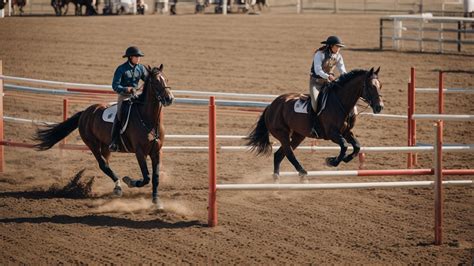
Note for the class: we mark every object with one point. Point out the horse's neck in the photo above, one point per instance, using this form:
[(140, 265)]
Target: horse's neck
[(151, 108), (349, 94)]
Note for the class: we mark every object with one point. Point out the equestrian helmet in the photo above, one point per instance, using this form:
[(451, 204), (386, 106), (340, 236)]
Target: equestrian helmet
[(333, 40), (133, 51)]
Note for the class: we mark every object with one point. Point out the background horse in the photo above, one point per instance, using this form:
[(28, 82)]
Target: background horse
[(291, 128), (58, 6), (20, 4), (143, 136)]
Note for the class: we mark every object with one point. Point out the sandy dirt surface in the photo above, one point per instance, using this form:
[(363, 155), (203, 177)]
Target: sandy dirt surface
[(268, 54)]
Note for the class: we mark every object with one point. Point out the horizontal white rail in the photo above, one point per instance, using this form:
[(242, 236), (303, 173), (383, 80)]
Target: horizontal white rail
[(402, 149), (362, 185), (448, 90), (443, 117)]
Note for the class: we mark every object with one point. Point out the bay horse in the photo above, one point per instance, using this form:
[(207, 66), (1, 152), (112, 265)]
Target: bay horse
[(335, 122), (143, 136), (21, 4)]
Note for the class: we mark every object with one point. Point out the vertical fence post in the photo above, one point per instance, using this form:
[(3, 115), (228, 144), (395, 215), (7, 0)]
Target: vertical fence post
[(438, 169), (459, 36), (409, 129), (439, 166), (298, 6), (65, 112), (212, 208), (2, 149)]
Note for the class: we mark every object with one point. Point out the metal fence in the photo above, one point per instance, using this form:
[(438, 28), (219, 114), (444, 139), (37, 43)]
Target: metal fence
[(425, 32)]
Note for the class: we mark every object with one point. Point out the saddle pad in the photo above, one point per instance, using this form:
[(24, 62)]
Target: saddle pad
[(301, 106), (109, 114)]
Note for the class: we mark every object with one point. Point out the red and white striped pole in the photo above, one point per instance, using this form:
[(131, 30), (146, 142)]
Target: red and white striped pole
[(212, 208)]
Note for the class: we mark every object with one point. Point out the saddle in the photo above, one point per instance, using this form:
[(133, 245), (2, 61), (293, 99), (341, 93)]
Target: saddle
[(109, 114), (303, 104)]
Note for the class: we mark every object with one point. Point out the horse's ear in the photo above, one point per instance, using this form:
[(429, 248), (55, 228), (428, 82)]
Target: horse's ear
[(371, 71), (161, 67), (148, 67), (377, 71)]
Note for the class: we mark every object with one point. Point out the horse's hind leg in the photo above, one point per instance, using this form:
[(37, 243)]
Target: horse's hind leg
[(102, 158), (286, 146), (279, 155)]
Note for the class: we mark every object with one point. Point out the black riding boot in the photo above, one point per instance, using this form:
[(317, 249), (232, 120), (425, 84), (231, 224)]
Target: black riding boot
[(115, 135)]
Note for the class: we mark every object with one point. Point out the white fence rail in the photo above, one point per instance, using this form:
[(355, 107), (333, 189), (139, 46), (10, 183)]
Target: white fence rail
[(425, 29)]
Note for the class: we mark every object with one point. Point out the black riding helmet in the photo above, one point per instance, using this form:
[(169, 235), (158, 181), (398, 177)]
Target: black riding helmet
[(133, 51), (333, 40)]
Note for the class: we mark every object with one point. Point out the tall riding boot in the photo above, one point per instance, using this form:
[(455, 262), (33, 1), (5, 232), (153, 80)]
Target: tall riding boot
[(115, 135)]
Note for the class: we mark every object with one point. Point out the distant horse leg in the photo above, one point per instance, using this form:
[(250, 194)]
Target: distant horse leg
[(141, 158), (349, 136), (103, 160), (339, 139), (155, 178)]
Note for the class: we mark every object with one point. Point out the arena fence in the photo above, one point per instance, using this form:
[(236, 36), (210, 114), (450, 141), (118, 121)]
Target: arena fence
[(437, 170), (438, 148), (430, 33)]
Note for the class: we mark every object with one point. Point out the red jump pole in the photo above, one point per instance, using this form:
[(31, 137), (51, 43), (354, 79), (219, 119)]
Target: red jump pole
[(212, 208), (2, 150), (438, 184), (414, 158), (409, 117), (65, 112), (439, 193)]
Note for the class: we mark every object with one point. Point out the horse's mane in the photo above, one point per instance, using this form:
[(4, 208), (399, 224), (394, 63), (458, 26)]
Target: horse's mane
[(153, 72), (345, 78)]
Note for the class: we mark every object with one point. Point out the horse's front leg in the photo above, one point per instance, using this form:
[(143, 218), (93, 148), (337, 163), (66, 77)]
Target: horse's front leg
[(155, 178), (338, 139), (141, 158), (349, 136)]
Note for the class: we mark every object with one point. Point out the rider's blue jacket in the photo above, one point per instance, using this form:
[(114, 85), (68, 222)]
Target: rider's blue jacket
[(127, 75)]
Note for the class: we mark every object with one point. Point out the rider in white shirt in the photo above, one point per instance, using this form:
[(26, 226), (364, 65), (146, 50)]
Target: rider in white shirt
[(325, 60)]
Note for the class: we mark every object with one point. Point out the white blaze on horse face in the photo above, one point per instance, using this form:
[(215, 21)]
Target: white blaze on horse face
[(376, 84)]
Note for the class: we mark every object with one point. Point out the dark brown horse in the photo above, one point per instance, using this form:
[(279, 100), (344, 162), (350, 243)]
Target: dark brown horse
[(335, 122), (144, 134), (20, 4)]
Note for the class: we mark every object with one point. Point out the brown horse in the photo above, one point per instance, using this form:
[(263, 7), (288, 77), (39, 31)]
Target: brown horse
[(20, 4), (335, 122), (143, 136)]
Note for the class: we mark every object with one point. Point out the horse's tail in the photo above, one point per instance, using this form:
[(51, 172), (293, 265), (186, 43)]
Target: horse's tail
[(52, 134), (259, 138)]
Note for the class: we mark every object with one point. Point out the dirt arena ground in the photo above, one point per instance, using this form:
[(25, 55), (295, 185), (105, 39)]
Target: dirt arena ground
[(269, 54)]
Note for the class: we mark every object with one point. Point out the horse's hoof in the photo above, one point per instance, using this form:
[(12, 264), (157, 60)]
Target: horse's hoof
[(304, 180), (157, 204), (331, 161), (302, 173), (118, 191), (127, 180), (276, 178), (347, 159)]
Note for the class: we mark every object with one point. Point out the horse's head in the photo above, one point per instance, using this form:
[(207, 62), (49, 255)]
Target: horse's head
[(371, 91), (159, 85)]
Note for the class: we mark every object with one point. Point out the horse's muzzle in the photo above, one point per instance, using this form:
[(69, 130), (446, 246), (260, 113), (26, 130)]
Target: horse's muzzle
[(167, 101), (377, 108)]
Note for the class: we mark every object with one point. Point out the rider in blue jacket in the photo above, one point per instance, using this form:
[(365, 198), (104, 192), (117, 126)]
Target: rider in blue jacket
[(125, 83)]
